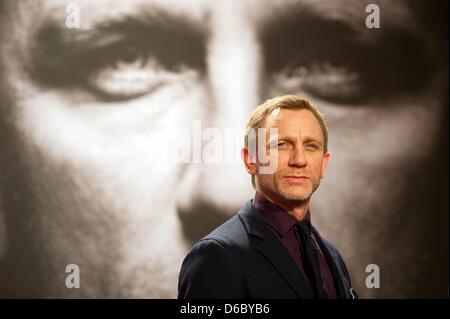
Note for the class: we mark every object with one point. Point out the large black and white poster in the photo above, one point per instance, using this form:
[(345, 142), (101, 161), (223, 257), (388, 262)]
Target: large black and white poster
[(121, 124)]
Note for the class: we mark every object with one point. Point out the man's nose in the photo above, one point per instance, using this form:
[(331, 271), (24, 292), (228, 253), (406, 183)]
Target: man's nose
[(233, 76), (298, 157)]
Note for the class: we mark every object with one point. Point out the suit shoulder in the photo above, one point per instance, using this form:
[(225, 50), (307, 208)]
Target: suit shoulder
[(211, 269), (231, 232), (331, 247)]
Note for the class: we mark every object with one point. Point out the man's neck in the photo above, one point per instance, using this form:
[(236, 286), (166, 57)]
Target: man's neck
[(296, 208), (299, 211)]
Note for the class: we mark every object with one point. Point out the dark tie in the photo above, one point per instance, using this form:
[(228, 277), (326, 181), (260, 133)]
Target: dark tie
[(311, 259)]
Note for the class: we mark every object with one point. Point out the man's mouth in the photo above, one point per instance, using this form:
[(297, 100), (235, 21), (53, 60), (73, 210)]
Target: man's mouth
[(296, 177)]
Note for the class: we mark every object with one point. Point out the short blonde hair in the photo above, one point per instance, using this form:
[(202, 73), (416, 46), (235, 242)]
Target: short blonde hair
[(290, 102)]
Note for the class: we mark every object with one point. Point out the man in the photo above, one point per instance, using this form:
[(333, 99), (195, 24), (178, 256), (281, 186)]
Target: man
[(84, 114), (263, 252)]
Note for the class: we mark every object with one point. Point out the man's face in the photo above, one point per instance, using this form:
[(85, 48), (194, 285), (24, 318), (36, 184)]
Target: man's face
[(85, 114), (301, 160)]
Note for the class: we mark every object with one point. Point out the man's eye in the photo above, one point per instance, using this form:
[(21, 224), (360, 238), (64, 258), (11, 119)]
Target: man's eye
[(312, 147), (282, 145), (130, 60), (132, 73), (322, 79), (332, 62)]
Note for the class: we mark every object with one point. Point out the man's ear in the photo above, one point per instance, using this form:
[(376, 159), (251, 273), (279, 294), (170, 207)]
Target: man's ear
[(325, 160), (249, 161)]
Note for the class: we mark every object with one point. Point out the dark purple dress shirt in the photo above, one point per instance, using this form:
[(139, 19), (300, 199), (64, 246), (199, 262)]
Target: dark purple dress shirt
[(283, 226)]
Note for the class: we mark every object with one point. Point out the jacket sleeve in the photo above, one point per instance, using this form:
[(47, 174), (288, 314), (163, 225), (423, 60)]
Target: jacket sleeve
[(209, 271)]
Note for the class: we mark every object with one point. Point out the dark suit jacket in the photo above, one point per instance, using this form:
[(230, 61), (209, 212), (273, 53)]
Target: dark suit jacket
[(243, 258)]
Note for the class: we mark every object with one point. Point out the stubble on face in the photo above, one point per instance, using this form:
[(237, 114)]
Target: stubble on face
[(295, 179)]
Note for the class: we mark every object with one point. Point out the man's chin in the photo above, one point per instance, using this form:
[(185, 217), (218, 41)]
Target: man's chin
[(299, 196)]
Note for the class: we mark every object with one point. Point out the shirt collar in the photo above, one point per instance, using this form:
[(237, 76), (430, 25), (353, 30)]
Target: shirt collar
[(279, 219)]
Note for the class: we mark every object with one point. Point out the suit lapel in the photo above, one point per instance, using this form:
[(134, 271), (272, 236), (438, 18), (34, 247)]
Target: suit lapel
[(333, 263), (273, 250), (277, 255)]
